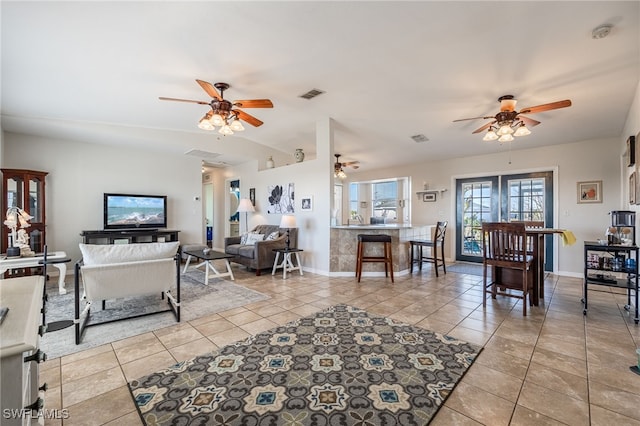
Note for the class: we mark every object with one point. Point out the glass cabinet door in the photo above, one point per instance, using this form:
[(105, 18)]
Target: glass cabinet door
[(36, 195), (25, 189)]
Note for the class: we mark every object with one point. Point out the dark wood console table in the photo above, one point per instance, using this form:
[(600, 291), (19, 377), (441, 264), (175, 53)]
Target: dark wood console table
[(128, 236)]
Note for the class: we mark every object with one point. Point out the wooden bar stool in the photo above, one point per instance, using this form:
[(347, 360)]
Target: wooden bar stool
[(387, 258)]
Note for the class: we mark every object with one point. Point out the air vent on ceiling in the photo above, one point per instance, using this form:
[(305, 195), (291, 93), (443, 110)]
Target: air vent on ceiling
[(312, 94), (202, 154), (419, 138)]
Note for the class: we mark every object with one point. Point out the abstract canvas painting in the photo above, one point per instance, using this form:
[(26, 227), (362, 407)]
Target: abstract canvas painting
[(281, 199)]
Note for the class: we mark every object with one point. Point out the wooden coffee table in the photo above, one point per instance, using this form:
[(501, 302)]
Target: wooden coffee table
[(207, 259)]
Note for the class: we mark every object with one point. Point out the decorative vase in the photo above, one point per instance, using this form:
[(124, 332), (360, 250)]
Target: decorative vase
[(270, 163), (299, 155)]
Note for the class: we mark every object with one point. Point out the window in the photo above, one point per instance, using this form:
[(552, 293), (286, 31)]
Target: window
[(526, 199), (384, 198), (353, 199)]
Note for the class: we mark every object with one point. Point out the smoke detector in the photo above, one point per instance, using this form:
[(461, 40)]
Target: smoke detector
[(601, 31)]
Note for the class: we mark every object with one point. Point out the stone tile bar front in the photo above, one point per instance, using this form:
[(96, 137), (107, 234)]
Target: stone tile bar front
[(344, 243)]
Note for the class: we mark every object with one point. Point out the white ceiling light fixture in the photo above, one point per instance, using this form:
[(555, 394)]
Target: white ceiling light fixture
[(221, 116), (508, 124), (338, 172)]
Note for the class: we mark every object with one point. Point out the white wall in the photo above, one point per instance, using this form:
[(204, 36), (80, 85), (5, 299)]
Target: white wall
[(588, 160), (79, 173), (632, 127), (311, 177)]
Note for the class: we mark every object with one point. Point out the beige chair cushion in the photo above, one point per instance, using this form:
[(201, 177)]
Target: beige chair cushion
[(102, 254)]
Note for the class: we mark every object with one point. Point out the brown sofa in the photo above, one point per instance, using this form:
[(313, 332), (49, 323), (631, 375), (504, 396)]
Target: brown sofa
[(260, 255)]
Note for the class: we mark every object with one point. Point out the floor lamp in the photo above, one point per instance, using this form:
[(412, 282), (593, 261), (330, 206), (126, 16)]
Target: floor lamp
[(245, 206)]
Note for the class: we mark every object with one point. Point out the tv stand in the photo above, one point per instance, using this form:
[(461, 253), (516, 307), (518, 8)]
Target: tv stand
[(126, 236)]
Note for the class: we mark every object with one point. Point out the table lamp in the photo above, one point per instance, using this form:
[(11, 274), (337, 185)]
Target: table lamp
[(15, 216), (288, 221), (245, 206)]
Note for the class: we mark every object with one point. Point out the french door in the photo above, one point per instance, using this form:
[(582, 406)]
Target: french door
[(476, 202), (526, 196)]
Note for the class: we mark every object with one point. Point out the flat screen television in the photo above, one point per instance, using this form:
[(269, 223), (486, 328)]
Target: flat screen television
[(129, 211)]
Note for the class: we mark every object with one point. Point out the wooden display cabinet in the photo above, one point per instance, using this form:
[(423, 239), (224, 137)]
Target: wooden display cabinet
[(25, 189)]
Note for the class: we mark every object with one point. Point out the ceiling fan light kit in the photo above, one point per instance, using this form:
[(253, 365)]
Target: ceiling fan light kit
[(338, 172), (509, 123), (223, 113)]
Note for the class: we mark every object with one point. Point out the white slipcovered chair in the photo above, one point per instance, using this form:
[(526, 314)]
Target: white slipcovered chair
[(125, 270)]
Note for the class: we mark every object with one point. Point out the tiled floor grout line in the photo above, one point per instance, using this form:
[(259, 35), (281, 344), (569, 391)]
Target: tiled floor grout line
[(453, 293)]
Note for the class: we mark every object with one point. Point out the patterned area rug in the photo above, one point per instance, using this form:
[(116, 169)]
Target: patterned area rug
[(196, 300), (341, 366)]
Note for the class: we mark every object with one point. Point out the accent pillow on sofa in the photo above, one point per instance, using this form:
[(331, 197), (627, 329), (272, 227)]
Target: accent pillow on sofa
[(243, 238), (272, 236), (253, 238)]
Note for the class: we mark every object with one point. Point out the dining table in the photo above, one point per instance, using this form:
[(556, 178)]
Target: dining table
[(536, 242), (538, 237)]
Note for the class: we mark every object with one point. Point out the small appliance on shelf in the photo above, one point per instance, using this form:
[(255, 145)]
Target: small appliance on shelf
[(623, 228)]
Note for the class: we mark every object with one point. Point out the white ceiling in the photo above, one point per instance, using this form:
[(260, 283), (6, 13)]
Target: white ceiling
[(93, 71)]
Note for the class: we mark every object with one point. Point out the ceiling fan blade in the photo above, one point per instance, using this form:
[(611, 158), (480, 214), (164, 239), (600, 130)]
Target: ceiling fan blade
[(248, 118), (351, 163), (528, 121), (162, 98), (211, 91), (546, 107), (254, 103), (486, 126), (474, 118)]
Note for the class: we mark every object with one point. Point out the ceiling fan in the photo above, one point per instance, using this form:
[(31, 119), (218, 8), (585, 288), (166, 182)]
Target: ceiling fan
[(224, 113), (337, 167), (509, 122)]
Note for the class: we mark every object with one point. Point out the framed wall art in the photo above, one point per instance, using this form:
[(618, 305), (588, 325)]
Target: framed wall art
[(631, 151), (632, 188), (252, 196), (590, 192), (429, 196), (281, 199), (306, 203)]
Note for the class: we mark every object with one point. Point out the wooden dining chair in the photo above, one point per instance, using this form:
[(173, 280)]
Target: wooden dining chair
[(435, 245), (530, 224), (505, 250)]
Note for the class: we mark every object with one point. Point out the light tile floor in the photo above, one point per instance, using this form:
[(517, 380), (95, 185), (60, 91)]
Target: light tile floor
[(554, 366)]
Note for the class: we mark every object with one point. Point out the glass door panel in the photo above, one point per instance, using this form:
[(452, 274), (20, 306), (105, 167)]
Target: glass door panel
[(529, 197), (35, 193), (14, 192), (477, 202)]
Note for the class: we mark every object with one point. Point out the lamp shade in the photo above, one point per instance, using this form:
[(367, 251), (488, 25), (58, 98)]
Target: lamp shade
[(245, 206), (288, 221)]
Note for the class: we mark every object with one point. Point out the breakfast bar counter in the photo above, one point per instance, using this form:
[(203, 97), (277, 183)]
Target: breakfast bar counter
[(344, 242)]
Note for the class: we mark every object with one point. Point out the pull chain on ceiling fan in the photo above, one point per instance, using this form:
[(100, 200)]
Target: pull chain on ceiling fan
[(509, 123), (223, 113)]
